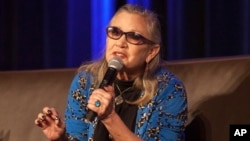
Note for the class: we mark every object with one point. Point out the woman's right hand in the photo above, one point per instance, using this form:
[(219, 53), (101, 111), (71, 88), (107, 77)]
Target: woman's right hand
[(51, 124)]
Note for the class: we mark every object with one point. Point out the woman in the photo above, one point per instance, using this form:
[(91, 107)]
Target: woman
[(145, 102)]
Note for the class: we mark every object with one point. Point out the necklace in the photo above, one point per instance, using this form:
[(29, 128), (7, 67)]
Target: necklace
[(119, 99)]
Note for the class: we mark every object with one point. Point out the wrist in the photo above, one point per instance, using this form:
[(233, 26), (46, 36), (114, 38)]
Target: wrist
[(109, 117), (63, 137)]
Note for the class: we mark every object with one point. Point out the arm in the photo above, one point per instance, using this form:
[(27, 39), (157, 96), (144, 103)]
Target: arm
[(107, 115), (76, 127), (175, 114)]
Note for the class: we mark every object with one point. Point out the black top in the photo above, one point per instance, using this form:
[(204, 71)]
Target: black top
[(127, 112)]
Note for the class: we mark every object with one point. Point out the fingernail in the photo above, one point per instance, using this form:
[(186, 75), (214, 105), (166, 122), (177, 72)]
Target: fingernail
[(43, 117), (49, 112), (38, 122)]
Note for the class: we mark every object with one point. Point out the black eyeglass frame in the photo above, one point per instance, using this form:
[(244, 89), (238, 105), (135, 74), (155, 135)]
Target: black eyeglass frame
[(142, 39)]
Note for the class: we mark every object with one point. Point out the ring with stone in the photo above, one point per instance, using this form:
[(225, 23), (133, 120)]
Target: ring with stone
[(97, 103)]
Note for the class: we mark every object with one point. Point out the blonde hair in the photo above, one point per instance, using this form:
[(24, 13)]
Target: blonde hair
[(146, 82)]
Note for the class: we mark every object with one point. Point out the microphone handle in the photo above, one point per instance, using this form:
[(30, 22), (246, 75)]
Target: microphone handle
[(108, 79)]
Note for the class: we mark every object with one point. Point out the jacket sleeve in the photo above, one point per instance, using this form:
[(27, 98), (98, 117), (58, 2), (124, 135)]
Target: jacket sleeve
[(76, 127), (167, 112)]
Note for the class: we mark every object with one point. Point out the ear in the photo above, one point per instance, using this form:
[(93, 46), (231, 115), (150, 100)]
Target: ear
[(152, 52)]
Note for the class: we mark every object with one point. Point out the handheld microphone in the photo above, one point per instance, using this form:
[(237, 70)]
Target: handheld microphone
[(114, 65)]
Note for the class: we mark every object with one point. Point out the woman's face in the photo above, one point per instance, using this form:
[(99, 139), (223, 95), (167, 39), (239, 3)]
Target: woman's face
[(133, 56)]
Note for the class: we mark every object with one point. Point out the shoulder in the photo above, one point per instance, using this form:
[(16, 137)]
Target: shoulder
[(164, 75), (83, 79), (168, 82)]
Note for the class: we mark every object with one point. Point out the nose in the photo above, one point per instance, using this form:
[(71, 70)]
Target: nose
[(122, 42)]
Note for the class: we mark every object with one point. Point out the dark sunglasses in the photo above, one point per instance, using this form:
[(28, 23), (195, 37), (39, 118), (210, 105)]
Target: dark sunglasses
[(131, 37)]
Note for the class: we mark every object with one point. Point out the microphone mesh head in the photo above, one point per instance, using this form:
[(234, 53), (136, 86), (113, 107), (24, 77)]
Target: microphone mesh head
[(115, 63)]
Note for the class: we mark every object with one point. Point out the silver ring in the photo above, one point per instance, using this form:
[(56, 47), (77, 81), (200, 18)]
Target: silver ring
[(97, 103), (56, 118)]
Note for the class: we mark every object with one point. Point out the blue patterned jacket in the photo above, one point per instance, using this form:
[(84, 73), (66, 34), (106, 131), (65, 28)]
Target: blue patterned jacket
[(162, 119)]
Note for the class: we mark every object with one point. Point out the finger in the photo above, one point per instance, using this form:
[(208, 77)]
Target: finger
[(103, 96), (41, 120), (37, 122), (45, 116), (95, 96), (103, 107), (109, 89), (47, 111), (57, 120), (50, 112), (55, 117), (101, 93), (54, 111), (91, 104), (97, 104), (41, 117)]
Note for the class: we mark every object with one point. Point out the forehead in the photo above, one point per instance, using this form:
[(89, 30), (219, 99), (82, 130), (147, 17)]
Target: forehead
[(130, 22)]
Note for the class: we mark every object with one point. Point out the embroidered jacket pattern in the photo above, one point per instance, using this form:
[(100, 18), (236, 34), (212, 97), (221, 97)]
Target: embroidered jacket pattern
[(162, 119)]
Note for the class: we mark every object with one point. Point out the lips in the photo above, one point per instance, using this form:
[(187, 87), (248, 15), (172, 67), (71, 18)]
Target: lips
[(119, 54)]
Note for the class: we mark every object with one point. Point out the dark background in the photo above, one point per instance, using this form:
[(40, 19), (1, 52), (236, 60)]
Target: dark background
[(45, 34)]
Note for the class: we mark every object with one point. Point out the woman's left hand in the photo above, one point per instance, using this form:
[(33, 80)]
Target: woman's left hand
[(101, 101)]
